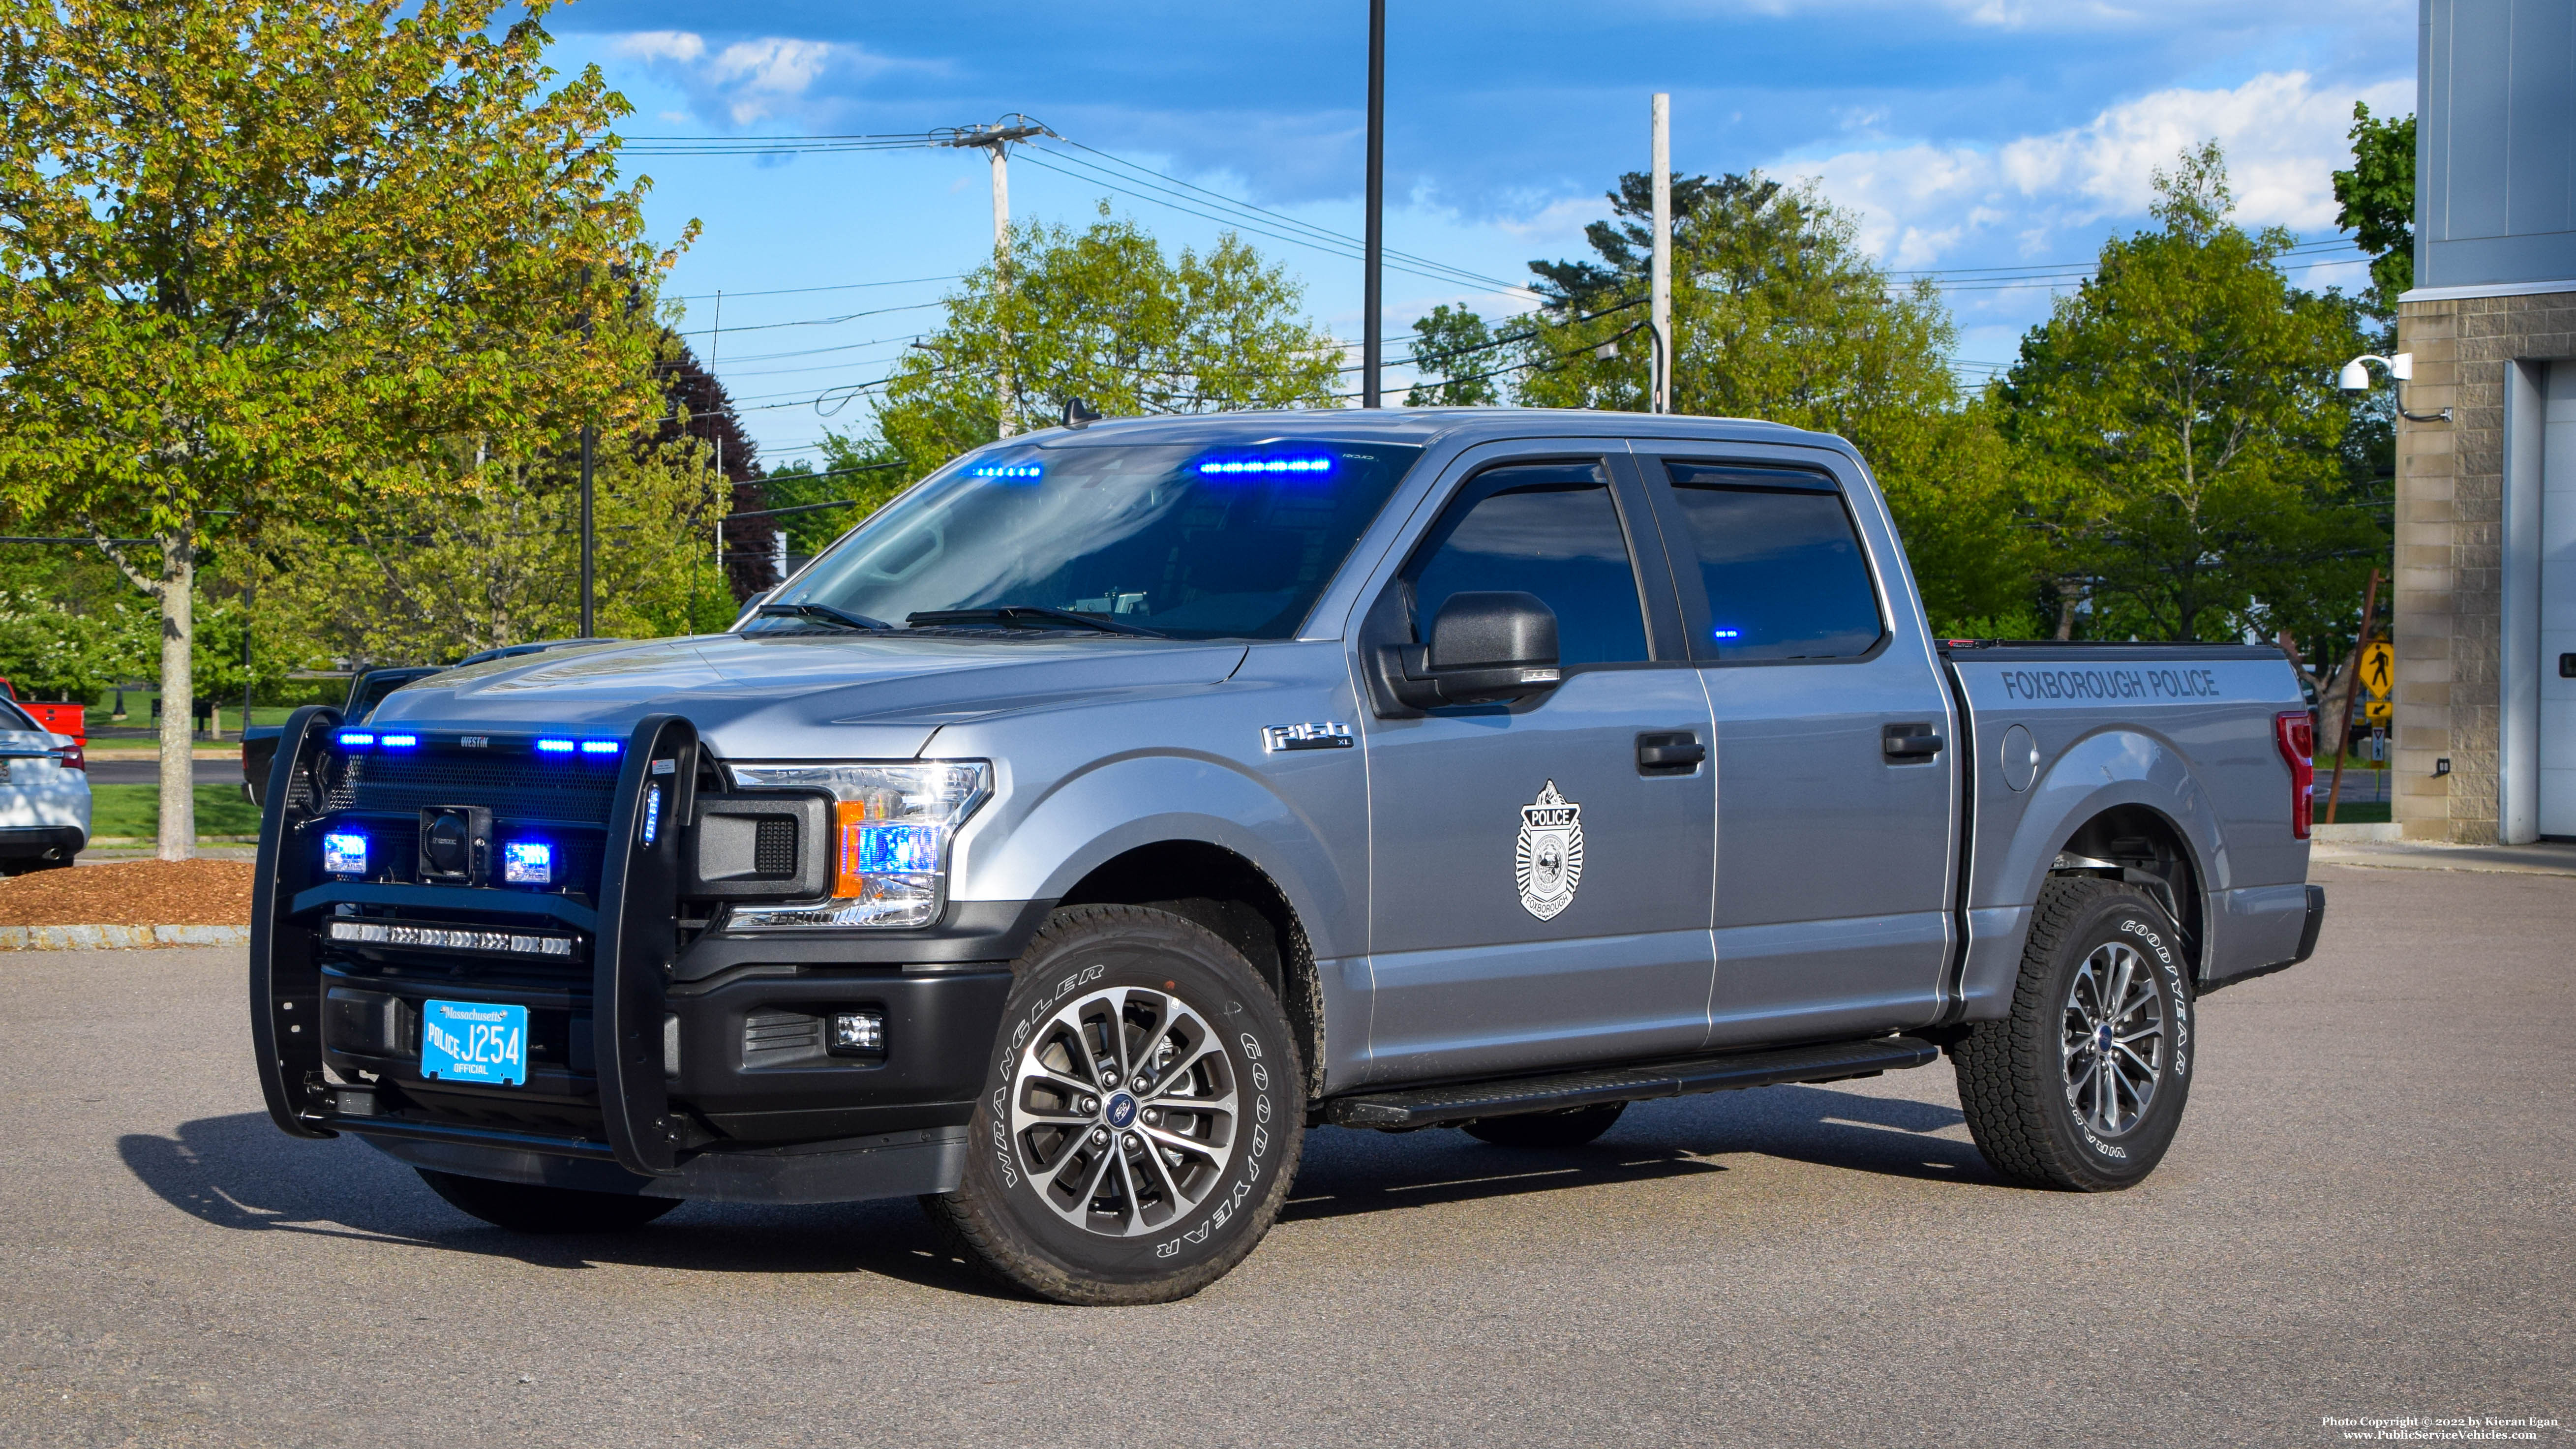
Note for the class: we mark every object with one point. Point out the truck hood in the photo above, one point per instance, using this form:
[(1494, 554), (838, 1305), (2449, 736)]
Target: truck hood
[(800, 696)]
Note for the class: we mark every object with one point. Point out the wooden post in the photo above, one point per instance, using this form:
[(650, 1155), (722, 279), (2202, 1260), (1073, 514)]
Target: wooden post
[(2351, 688)]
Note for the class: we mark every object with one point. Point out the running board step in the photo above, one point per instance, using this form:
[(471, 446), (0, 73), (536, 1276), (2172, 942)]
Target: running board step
[(1598, 1086)]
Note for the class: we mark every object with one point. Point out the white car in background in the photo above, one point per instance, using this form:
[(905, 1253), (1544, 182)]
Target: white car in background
[(44, 795)]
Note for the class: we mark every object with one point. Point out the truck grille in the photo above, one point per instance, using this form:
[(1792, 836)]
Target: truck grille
[(515, 785)]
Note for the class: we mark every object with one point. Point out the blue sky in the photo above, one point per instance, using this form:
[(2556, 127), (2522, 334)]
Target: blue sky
[(1963, 134)]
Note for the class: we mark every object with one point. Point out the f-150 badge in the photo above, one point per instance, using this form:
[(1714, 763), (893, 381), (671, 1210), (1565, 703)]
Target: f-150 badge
[(1548, 863)]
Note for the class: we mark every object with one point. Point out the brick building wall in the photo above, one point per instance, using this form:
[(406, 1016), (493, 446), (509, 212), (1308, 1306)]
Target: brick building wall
[(2450, 551)]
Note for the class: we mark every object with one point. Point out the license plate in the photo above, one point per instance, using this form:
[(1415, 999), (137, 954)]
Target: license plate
[(4, 772), (474, 1041)]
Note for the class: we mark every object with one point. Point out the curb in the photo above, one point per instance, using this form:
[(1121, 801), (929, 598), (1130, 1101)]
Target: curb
[(115, 938), (2385, 832)]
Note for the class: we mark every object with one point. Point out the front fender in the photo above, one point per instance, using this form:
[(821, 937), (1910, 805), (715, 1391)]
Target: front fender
[(1044, 847)]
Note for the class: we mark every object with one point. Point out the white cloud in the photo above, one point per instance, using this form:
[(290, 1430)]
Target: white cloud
[(1919, 202), (771, 77), (678, 45)]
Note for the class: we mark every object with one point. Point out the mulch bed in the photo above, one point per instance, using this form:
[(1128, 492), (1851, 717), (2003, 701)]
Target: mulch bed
[(131, 893)]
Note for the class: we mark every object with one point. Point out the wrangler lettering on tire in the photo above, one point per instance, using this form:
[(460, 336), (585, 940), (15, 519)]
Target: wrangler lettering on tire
[(1134, 1138)]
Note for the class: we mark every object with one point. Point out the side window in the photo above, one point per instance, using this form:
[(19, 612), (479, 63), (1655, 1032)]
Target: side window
[(1549, 529), (1781, 563)]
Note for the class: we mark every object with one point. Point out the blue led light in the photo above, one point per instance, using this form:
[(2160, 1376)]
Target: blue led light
[(892, 849), (527, 862), (356, 739), (1024, 471), (1726, 633), (399, 742), (344, 854), (599, 747), (1308, 466), (652, 813), (554, 747)]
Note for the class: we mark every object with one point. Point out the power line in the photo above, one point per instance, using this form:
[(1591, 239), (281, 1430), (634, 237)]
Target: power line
[(792, 291)]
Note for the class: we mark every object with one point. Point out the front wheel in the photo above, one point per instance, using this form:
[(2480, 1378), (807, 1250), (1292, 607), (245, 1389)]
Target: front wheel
[(2082, 1086), (1140, 1119)]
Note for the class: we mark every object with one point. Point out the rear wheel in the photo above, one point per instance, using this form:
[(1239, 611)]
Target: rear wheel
[(2082, 1086), (1141, 1117), (527, 1208), (1548, 1131)]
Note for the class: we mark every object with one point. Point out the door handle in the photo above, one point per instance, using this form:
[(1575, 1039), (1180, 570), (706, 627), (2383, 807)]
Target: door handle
[(1669, 752), (1915, 741)]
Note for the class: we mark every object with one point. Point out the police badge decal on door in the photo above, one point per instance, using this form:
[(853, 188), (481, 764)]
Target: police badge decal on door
[(1548, 862)]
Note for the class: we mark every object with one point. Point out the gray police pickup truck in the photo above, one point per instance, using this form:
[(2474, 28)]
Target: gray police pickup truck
[(1123, 802)]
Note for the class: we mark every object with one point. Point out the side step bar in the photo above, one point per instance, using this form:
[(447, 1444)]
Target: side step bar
[(1597, 1086)]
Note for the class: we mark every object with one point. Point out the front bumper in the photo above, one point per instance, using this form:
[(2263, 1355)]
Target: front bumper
[(657, 1062)]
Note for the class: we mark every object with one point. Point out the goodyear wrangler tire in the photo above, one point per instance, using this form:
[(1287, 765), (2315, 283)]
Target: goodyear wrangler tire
[(2082, 1086), (1141, 1114)]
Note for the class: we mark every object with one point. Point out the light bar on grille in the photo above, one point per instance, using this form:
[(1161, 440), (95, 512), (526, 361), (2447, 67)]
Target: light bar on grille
[(449, 938)]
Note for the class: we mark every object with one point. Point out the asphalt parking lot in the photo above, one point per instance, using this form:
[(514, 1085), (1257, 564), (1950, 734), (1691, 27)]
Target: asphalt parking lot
[(2368, 1214)]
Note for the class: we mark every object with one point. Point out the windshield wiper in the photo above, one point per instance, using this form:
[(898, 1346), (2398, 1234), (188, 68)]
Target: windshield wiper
[(842, 617), (1031, 616)]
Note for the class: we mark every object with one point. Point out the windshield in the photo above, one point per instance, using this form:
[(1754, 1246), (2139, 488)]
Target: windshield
[(1189, 542)]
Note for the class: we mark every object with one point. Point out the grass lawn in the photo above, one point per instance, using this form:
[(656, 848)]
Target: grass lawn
[(136, 810)]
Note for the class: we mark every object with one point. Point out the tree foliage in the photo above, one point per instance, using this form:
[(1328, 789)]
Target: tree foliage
[(2177, 436), (1455, 345), (2377, 201), (1107, 316), (274, 258)]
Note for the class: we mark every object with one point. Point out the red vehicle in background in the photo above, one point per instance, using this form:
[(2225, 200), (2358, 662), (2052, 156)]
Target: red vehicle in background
[(62, 719)]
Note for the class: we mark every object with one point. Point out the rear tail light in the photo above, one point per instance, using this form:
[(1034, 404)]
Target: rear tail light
[(2297, 736), (72, 758)]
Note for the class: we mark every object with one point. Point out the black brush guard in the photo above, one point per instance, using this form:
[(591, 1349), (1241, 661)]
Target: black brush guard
[(633, 938)]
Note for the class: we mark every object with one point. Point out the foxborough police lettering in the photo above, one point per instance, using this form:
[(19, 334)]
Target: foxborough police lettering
[(2111, 683)]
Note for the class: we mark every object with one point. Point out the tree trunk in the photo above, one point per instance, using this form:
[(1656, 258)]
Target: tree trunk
[(2066, 602), (178, 697)]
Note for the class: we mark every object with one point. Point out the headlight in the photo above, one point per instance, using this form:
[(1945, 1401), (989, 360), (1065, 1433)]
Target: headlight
[(891, 827)]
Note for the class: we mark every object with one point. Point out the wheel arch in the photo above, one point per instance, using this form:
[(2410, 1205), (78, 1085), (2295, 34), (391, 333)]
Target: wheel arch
[(2124, 804), (1236, 900)]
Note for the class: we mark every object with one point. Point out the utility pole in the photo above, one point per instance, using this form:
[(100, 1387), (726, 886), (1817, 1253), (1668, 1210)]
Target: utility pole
[(1662, 307), (1372, 349), (995, 140)]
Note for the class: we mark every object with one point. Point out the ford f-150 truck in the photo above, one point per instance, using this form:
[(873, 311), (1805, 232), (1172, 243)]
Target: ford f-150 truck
[(1124, 801)]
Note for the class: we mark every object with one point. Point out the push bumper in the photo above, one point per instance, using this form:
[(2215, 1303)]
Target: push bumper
[(655, 1065)]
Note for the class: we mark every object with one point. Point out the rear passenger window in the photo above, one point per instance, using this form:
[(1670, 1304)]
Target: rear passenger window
[(1546, 529), (1782, 566)]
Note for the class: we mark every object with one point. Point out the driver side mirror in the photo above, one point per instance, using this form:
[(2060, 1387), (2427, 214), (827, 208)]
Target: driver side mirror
[(1486, 648)]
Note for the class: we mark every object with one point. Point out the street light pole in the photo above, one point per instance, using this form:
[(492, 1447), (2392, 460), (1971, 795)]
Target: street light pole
[(1372, 349)]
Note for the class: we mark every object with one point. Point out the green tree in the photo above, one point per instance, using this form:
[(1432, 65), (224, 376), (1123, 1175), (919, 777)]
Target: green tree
[(1778, 314), (2377, 198), (2178, 436), (1104, 315), (863, 472), (1453, 344), (266, 258)]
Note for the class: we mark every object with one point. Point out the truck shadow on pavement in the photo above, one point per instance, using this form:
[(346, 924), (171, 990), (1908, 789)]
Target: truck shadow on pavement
[(1359, 1172), (239, 1172)]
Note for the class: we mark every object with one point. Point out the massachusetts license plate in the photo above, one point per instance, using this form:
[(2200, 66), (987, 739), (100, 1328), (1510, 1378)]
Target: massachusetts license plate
[(474, 1041)]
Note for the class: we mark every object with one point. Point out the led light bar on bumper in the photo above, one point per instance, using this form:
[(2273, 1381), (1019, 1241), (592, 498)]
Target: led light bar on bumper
[(892, 825)]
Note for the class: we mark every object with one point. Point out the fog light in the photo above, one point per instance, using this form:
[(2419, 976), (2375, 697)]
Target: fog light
[(858, 1031), (344, 854), (527, 862)]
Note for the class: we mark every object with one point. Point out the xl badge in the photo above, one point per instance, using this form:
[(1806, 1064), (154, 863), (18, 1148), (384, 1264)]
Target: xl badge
[(1549, 860)]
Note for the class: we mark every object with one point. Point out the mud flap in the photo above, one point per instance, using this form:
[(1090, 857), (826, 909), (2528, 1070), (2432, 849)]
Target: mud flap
[(630, 960), (285, 971)]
